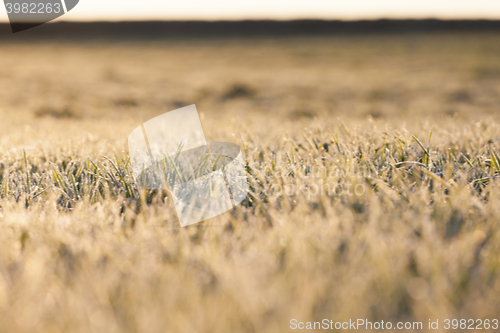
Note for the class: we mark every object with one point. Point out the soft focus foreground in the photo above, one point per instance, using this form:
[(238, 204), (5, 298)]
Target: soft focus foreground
[(372, 162)]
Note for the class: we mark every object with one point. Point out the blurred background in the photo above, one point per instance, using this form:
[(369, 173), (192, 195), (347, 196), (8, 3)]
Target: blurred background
[(92, 10), (120, 63)]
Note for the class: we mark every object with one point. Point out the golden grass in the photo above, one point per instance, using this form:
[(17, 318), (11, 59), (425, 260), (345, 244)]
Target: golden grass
[(412, 120)]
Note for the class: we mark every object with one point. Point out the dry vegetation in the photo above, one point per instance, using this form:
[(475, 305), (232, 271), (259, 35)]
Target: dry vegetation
[(413, 120)]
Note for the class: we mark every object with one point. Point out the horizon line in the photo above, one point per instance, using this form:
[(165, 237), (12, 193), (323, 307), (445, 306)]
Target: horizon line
[(64, 20)]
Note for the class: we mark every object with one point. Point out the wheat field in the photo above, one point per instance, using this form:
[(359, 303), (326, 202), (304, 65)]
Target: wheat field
[(373, 165)]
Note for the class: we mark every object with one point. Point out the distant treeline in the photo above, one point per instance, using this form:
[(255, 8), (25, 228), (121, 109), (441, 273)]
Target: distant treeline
[(206, 29)]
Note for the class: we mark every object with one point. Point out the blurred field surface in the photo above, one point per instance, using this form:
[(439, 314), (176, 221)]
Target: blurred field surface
[(409, 121)]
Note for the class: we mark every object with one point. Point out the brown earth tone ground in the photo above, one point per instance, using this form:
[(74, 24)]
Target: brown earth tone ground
[(411, 120)]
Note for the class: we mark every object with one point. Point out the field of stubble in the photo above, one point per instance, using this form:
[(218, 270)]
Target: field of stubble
[(405, 129)]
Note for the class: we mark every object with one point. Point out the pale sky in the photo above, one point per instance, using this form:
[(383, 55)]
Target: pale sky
[(88, 10)]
